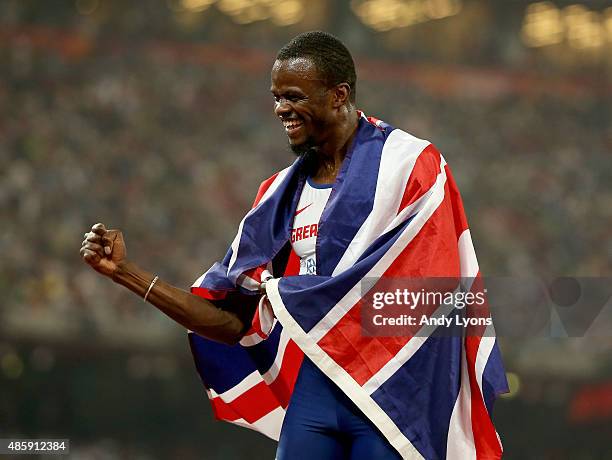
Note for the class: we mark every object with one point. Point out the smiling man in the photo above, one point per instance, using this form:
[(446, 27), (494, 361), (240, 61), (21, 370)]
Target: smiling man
[(275, 327), (314, 87)]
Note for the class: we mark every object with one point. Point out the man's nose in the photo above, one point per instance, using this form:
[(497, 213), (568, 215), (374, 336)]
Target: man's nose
[(281, 108)]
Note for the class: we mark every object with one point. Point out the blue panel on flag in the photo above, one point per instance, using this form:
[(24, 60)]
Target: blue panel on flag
[(216, 278), (264, 353), (421, 395), (347, 209), (222, 365), (493, 378)]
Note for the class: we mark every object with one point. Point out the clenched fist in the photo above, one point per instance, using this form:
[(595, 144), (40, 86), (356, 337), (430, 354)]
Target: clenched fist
[(103, 249)]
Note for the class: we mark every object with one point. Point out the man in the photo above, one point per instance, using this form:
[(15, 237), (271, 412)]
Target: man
[(362, 200)]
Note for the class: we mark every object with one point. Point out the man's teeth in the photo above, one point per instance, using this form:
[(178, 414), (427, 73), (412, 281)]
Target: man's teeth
[(291, 124)]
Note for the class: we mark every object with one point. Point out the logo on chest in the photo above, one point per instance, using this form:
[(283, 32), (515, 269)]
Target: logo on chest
[(306, 231)]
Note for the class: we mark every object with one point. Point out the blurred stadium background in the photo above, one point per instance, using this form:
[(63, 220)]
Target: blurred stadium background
[(155, 117)]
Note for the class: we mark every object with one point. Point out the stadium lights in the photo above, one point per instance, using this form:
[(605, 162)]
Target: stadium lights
[(584, 28), (607, 14), (288, 12), (236, 7), (281, 12), (384, 15), (542, 25), (545, 24)]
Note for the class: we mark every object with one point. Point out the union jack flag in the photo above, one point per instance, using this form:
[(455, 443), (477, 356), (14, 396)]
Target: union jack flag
[(394, 211)]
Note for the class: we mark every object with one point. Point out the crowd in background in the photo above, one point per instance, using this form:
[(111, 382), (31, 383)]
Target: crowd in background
[(171, 151), (170, 154)]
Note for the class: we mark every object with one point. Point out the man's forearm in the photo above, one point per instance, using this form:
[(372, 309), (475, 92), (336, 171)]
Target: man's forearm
[(193, 312)]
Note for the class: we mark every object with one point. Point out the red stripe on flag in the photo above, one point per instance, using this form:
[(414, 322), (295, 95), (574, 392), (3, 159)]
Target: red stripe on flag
[(423, 176), (458, 212), (265, 185), (255, 273), (485, 438), (251, 405), (222, 410), (262, 398), (427, 255), (375, 121), (283, 384), (208, 294), (256, 326), (293, 264)]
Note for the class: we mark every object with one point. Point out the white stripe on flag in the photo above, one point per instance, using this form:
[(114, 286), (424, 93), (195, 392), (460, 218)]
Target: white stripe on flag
[(275, 368), (467, 255), (248, 283), (198, 282), (460, 441), (251, 339), (416, 206), (243, 386), (254, 338), (482, 357), (270, 424)]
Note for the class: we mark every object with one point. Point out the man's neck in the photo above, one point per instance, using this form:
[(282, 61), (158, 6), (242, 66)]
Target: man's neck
[(331, 154)]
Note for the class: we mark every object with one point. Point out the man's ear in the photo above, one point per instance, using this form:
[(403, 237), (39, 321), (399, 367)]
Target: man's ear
[(342, 94)]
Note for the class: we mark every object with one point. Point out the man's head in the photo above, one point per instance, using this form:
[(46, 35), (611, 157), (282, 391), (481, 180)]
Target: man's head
[(313, 83)]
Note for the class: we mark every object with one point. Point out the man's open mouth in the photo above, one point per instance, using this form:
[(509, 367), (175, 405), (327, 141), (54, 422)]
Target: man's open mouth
[(291, 126)]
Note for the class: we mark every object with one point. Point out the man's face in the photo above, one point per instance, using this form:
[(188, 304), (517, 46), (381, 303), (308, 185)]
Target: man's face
[(302, 102)]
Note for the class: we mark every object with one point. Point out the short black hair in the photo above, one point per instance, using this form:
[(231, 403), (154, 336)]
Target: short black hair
[(330, 56)]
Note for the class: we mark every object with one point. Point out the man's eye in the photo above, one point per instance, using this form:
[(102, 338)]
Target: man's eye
[(292, 98)]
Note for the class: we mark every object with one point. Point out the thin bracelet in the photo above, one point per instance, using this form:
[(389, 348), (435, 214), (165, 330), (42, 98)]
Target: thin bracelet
[(150, 287)]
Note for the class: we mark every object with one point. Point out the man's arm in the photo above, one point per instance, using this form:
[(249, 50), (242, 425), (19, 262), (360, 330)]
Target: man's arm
[(104, 250)]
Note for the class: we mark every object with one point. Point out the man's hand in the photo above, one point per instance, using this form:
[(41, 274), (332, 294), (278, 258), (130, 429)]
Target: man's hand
[(103, 249)]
